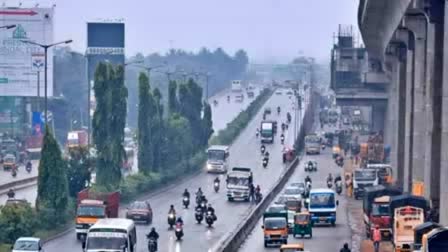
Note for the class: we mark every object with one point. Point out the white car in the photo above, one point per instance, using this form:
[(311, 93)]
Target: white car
[(28, 244), (293, 192)]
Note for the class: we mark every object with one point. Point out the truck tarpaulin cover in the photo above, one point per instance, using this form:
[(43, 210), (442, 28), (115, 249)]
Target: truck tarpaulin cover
[(377, 191), (408, 200)]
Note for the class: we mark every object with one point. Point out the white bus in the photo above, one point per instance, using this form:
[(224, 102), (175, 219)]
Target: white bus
[(111, 235), (218, 158)]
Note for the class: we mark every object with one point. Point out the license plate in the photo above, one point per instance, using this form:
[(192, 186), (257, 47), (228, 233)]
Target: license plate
[(138, 217), (322, 218)]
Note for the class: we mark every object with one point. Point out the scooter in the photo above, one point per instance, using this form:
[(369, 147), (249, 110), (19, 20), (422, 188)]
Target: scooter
[(152, 244), (209, 218), (265, 162), (186, 202), (171, 220), (282, 139), (14, 172), (178, 231), (329, 184), (28, 168), (339, 187), (216, 186), (263, 149)]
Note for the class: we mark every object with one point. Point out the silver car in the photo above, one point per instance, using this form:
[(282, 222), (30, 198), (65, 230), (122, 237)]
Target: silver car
[(28, 244)]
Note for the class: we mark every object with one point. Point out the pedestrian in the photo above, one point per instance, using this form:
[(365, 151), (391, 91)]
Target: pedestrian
[(252, 192), (376, 238), (345, 248)]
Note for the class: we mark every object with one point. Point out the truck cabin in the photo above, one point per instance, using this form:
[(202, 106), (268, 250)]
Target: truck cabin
[(421, 230), (91, 208), (384, 173), (405, 220), (72, 139), (380, 214), (436, 240)]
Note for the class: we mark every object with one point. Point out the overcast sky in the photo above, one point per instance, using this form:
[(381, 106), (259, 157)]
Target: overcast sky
[(274, 30)]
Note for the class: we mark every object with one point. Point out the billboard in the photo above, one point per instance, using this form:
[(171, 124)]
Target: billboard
[(105, 42), (20, 62)]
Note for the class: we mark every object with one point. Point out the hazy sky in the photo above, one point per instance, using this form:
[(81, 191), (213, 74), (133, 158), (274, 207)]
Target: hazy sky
[(268, 29)]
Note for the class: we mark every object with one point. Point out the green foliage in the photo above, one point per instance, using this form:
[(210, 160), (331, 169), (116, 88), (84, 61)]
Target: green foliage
[(108, 124), (145, 155), (52, 186), (207, 123), (234, 128), (80, 165), (16, 220), (173, 106)]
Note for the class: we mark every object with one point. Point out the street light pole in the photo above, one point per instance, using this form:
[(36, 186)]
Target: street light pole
[(46, 47)]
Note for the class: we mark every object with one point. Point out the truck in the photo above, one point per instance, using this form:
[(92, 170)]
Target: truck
[(322, 206), (275, 228), (237, 86), (33, 145), (357, 117), (363, 178), (376, 204), (435, 240), (267, 132), (238, 181), (372, 152), (92, 206), (312, 144), (76, 139), (421, 233), (408, 212), (384, 173)]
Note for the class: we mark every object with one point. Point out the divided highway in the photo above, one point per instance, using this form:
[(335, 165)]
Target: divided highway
[(244, 152), (325, 238), (222, 114)]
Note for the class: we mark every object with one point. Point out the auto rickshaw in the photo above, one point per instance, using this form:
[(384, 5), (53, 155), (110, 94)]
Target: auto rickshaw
[(302, 225), (292, 247), (336, 151), (288, 154), (9, 162)]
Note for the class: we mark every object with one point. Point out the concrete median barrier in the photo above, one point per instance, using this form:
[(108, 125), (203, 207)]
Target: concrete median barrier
[(19, 183)]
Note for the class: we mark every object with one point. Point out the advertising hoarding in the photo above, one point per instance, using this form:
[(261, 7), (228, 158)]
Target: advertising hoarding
[(18, 60)]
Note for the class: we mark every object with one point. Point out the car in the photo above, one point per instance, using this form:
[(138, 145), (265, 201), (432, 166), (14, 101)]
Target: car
[(267, 110), (281, 200), (140, 211), (299, 185), (278, 92), (276, 208), (293, 192), (289, 92), (28, 244)]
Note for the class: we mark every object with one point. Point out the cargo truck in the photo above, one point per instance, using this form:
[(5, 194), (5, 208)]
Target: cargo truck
[(267, 132), (92, 206), (237, 86), (275, 228), (362, 179), (238, 181), (76, 139)]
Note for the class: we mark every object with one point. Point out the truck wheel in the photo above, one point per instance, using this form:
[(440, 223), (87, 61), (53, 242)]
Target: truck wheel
[(230, 199), (78, 237), (265, 244)]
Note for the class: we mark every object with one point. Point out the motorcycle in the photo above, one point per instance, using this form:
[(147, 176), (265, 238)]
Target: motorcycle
[(282, 139), (179, 232), (339, 187), (329, 184), (340, 162), (323, 146), (28, 167), (171, 219), (209, 218), (152, 245), (265, 162), (216, 186), (263, 149), (186, 202), (199, 216), (14, 172)]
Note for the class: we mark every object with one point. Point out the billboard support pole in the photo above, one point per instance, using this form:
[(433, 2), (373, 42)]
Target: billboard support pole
[(38, 90), (45, 84)]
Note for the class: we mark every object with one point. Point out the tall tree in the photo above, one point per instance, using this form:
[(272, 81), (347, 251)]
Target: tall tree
[(173, 106), (80, 165), (52, 187), (145, 153), (207, 123), (109, 121), (157, 128)]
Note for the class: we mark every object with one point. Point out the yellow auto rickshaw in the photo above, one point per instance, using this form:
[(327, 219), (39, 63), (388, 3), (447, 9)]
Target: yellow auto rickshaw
[(292, 247), (336, 151), (9, 162), (302, 225)]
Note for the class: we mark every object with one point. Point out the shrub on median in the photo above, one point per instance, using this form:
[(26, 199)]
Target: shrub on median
[(16, 220)]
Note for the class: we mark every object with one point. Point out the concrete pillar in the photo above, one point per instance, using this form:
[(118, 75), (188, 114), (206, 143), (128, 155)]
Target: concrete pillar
[(402, 72), (417, 25), (378, 118), (441, 104), (409, 116)]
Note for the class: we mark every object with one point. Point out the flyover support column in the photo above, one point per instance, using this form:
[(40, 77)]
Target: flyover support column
[(378, 118), (417, 26)]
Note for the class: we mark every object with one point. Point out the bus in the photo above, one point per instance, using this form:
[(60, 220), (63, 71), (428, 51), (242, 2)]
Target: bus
[(130, 155), (322, 206), (267, 132), (312, 144), (113, 234), (218, 158)]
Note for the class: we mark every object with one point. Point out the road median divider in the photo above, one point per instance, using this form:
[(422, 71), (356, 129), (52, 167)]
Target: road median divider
[(235, 238), (18, 183)]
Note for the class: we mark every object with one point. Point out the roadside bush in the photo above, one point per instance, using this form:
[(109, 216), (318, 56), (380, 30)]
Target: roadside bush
[(16, 220), (234, 128)]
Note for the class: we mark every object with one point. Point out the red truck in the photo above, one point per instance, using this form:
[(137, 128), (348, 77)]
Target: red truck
[(376, 209), (77, 139), (92, 206)]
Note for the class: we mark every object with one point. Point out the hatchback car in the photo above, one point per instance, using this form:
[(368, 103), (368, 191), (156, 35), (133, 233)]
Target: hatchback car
[(140, 211), (294, 192), (28, 244), (276, 208), (299, 185)]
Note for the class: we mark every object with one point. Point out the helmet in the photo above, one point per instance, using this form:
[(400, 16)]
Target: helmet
[(209, 205), (199, 189), (153, 229), (171, 206), (345, 245)]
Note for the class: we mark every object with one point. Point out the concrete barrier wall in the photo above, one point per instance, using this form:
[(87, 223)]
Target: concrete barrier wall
[(17, 183), (234, 240)]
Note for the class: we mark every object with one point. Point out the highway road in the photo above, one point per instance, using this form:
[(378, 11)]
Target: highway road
[(6, 177), (325, 238), (222, 114), (244, 152)]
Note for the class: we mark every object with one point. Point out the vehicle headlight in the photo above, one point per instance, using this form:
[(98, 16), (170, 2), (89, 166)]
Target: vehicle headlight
[(209, 166), (79, 225)]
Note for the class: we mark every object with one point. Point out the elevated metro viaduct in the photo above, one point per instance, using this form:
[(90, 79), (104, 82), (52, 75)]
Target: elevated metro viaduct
[(406, 41)]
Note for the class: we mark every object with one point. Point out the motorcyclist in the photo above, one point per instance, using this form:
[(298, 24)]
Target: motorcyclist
[(28, 165), (282, 137), (179, 221), (199, 195), (11, 194), (153, 235), (211, 210), (186, 193), (262, 148), (337, 178), (278, 109), (258, 132), (216, 180), (345, 248), (172, 211), (307, 179), (329, 178), (266, 154)]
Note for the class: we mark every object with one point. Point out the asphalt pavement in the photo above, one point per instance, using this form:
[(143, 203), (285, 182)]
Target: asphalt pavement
[(198, 237), (6, 176), (325, 238)]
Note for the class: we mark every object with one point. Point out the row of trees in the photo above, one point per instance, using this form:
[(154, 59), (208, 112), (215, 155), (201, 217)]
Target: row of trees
[(164, 140)]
